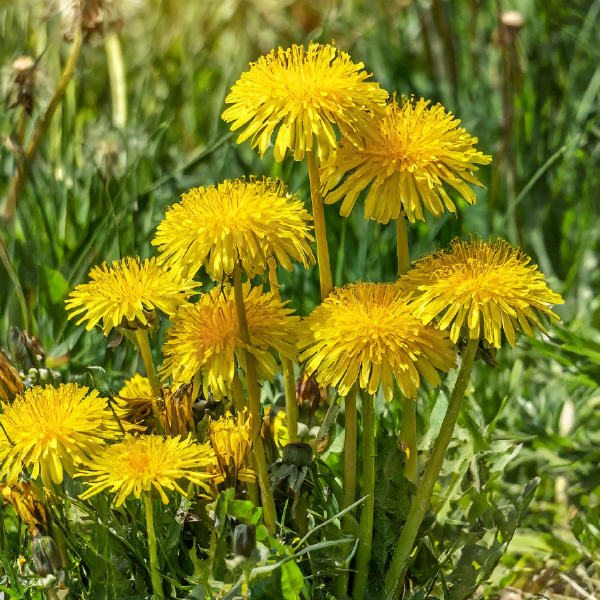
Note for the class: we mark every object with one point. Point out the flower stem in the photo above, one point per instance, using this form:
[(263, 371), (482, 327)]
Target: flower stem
[(38, 134), (144, 344), (154, 565), (408, 435), (291, 404), (260, 460), (319, 222), (363, 557), (116, 73), (350, 443), (394, 581), (402, 245)]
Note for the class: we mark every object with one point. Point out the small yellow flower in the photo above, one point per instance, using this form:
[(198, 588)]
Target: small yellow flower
[(51, 429), (489, 286), (412, 153), (236, 221), (367, 331), (232, 442), (137, 464), (126, 291), (206, 337), (304, 93)]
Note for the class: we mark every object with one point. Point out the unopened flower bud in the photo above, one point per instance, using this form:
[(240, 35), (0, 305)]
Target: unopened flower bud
[(244, 540), (46, 556), (299, 454)]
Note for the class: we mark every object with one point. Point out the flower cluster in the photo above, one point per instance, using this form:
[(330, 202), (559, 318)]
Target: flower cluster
[(173, 430)]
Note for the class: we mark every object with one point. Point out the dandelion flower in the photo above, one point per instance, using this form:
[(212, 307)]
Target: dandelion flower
[(206, 337), (137, 464), (246, 221), (52, 429), (232, 442), (367, 331), (126, 291), (489, 286), (411, 154), (304, 93)]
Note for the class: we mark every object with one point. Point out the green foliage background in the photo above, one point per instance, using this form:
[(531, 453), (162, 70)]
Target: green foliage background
[(97, 192)]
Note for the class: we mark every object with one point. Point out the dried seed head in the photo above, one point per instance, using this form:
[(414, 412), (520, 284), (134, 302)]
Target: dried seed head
[(513, 19), (20, 84)]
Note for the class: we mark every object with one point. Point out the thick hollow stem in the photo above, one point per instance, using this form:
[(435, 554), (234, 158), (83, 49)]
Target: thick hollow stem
[(116, 74), (291, 404), (363, 557), (38, 134), (408, 435), (318, 209), (260, 460), (350, 443), (154, 565), (287, 365), (144, 344), (394, 581), (402, 245)]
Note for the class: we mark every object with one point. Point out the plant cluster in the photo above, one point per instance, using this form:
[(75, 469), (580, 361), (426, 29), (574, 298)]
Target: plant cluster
[(253, 508)]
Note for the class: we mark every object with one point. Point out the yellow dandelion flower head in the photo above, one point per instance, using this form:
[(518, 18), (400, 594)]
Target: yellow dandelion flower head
[(489, 286), (304, 92), (53, 428), (126, 291), (140, 463), (236, 221), (232, 442), (367, 331), (206, 337), (409, 157)]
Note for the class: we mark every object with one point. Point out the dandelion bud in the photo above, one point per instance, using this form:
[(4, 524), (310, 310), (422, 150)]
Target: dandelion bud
[(299, 454), (46, 556), (244, 540)]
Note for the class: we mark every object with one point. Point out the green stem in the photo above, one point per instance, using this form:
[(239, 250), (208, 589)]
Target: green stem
[(118, 84), (318, 209), (363, 556), (154, 565), (38, 134), (291, 404), (394, 581), (350, 443), (143, 341), (402, 245), (408, 435), (260, 460)]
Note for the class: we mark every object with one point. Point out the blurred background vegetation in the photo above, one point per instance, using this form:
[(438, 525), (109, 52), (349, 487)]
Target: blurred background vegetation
[(140, 123)]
